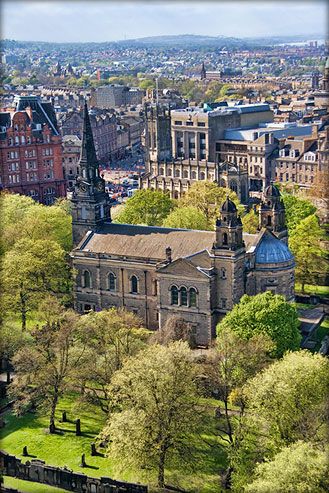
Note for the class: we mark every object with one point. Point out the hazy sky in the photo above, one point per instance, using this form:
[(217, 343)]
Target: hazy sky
[(114, 20)]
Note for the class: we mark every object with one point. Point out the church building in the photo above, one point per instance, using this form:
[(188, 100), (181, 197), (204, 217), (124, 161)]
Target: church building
[(158, 272)]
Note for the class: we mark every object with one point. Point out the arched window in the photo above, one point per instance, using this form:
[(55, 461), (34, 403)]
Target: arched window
[(169, 172), (177, 173), (176, 194), (223, 273), (183, 296), (112, 281), (161, 171), (134, 285), (185, 173), (193, 175), (87, 279), (225, 239), (192, 297), (202, 175), (269, 221), (174, 295)]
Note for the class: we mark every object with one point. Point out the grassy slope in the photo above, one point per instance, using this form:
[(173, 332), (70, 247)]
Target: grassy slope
[(29, 487), (65, 448), (312, 289)]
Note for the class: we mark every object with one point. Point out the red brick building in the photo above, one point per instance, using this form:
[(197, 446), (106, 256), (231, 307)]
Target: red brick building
[(31, 151)]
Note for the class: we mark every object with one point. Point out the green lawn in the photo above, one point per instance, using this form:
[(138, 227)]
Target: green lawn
[(312, 289), (64, 448), (29, 487)]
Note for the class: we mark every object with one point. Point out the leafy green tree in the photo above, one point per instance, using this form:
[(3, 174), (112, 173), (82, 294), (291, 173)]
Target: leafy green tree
[(297, 209), (146, 84), (44, 369), (266, 314), (146, 207), (250, 222), (31, 269), (305, 244), (208, 197), (299, 468), (22, 217), (110, 337), (188, 217), (156, 399), (286, 402)]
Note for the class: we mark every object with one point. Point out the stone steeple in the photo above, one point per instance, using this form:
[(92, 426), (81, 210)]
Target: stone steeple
[(90, 201), (203, 73)]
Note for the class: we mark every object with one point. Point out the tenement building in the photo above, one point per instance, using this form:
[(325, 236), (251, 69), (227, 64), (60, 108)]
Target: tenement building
[(31, 150), (158, 272)]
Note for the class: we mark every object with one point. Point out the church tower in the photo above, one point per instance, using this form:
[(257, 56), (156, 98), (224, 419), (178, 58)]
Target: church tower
[(272, 213), (90, 202), (157, 135), (228, 255)]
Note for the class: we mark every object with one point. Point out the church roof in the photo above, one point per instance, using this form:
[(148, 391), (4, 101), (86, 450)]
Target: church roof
[(271, 250), (147, 241)]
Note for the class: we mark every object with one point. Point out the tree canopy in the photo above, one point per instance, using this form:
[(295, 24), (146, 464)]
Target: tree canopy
[(146, 207), (297, 209), (267, 314), (208, 197), (188, 217), (305, 244), (301, 467), (156, 399)]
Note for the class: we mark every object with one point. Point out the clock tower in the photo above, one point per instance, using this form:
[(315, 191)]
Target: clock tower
[(90, 202)]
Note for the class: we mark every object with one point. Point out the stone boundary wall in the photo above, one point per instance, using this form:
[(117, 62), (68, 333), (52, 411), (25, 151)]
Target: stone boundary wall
[(61, 477)]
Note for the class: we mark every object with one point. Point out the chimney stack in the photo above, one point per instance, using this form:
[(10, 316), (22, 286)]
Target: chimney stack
[(168, 255)]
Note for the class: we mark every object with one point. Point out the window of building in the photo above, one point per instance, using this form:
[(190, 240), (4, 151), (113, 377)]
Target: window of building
[(86, 279), (169, 172), (193, 175), (223, 273), (224, 300), (192, 297), (185, 173), (225, 239), (201, 124), (177, 122), (183, 296), (189, 124), (174, 295), (112, 281), (133, 285), (202, 176), (161, 171), (269, 221), (177, 173)]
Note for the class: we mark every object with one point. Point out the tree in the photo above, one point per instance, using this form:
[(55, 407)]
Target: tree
[(301, 467), (43, 369), (305, 244), (297, 209), (319, 192), (22, 217), (176, 329), (187, 218), (110, 336), (156, 395), (146, 207), (286, 402), (226, 370), (250, 222), (268, 314), (208, 197), (29, 271)]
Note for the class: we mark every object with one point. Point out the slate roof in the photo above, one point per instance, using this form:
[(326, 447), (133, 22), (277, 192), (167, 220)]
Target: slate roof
[(147, 241), (271, 250)]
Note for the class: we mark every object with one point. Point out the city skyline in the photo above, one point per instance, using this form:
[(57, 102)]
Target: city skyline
[(113, 21)]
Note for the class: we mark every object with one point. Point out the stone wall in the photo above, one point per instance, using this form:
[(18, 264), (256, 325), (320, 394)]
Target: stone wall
[(61, 477)]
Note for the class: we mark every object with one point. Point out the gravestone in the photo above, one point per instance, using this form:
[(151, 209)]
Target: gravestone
[(83, 460), (93, 449), (64, 418), (78, 427), (25, 452)]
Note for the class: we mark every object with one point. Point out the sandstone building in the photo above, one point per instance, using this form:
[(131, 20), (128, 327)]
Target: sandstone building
[(31, 151), (158, 272)]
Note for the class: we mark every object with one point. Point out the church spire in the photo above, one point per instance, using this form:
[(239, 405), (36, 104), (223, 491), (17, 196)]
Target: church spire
[(88, 158)]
